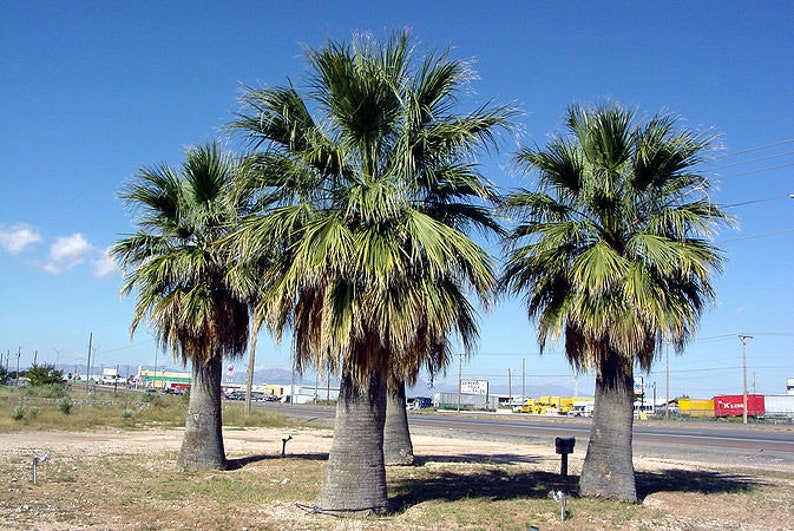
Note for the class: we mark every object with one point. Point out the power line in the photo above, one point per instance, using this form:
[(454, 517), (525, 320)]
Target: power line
[(764, 200), (751, 172), (756, 236), (768, 157), (757, 148)]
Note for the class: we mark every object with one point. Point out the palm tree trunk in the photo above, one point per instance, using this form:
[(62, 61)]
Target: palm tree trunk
[(608, 469), (397, 446), (249, 378), (202, 445), (355, 477)]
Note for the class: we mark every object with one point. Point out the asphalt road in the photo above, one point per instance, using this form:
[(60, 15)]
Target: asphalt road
[(767, 446)]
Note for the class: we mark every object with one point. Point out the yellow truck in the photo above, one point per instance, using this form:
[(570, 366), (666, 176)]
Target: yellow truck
[(528, 406), (548, 405)]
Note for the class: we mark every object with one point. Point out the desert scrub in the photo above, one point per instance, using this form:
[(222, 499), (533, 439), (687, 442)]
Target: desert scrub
[(18, 413), (46, 391), (65, 405)]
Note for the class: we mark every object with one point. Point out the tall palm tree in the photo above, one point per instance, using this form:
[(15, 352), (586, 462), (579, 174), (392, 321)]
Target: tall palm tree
[(613, 251), (367, 207), (187, 285)]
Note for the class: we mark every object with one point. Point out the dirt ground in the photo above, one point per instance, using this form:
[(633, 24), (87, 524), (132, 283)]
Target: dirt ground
[(743, 501)]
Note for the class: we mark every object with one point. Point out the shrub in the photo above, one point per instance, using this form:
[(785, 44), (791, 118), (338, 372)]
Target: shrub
[(44, 375), (18, 413), (127, 413), (65, 405), (52, 390)]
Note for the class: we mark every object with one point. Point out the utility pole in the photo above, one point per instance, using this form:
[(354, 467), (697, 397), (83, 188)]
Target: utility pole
[(292, 386), (88, 363), (510, 387), (154, 379), (667, 381), (523, 380), (19, 353), (460, 378), (743, 338)]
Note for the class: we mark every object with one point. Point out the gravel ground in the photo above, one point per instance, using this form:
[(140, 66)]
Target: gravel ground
[(701, 494)]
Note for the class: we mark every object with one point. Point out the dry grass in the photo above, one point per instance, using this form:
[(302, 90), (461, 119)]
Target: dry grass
[(31, 409), (113, 467)]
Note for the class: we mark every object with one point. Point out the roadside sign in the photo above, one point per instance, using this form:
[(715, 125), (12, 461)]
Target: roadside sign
[(474, 387)]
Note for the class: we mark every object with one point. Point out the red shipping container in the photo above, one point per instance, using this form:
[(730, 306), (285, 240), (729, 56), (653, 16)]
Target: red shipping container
[(733, 405)]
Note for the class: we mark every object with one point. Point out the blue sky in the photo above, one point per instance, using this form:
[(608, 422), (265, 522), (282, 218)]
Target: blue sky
[(92, 91)]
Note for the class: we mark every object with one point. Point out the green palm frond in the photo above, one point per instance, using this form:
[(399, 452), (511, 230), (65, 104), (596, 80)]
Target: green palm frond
[(188, 287), (613, 248), (366, 206)]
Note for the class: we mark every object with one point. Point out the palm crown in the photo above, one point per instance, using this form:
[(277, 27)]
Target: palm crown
[(368, 206), (614, 246), (186, 284)]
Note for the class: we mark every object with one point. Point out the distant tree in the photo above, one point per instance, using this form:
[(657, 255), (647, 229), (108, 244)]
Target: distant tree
[(3, 374), (613, 251), (44, 375)]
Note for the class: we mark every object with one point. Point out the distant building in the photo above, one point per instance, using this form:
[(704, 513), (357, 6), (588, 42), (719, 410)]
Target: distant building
[(162, 379)]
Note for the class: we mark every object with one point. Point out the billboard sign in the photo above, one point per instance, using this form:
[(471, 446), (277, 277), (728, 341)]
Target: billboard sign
[(474, 387)]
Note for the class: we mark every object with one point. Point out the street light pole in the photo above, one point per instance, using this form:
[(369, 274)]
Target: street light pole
[(743, 338)]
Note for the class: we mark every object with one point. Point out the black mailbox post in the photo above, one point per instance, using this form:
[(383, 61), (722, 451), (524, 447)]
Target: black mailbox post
[(564, 446)]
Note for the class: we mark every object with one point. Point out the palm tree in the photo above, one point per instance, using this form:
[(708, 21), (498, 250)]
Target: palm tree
[(366, 208), (187, 284), (397, 444), (398, 448), (613, 251)]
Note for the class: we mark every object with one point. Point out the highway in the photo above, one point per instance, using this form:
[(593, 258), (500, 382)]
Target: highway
[(755, 445)]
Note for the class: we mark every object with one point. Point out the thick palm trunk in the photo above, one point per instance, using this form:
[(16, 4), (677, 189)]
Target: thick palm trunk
[(397, 446), (202, 445), (355, 478), (608, 469)]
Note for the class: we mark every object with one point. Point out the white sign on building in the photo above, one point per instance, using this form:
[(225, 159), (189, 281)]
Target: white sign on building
[(639, 385), (474, 387)]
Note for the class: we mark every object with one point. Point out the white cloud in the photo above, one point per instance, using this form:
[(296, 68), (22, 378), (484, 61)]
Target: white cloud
[(67, 252), (104, 265), (15, 238), (64, 254)]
